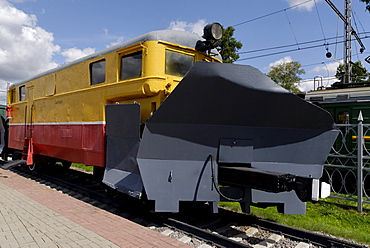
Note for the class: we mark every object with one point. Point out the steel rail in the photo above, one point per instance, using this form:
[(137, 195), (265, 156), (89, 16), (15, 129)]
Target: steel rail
[(291, 232), (207, 236)]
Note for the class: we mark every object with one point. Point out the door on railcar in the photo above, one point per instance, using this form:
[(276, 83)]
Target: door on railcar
[(29, 112)]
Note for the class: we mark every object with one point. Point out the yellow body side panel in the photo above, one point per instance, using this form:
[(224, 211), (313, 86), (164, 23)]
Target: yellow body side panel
[(67, 96)]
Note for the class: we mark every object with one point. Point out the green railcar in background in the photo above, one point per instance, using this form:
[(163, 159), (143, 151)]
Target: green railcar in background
[(2, 110), (345, 104)]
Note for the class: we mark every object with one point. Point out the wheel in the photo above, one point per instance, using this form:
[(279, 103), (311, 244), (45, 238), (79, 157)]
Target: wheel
[(16, 155), (98, 173)]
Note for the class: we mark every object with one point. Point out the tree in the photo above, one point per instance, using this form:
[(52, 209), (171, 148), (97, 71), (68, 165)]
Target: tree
[(287, 75), (358, 72), (367, 4), (229, 46)]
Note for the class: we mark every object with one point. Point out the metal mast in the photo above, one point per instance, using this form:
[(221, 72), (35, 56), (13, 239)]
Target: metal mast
[(347, 41), (348, 32)]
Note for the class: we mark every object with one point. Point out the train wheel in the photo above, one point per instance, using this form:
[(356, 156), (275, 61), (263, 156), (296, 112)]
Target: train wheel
[(17, 155), (98, 173)]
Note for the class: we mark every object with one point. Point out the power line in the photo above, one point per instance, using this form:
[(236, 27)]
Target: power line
[(326, 44), (322, 29), (282, 46), (275, 53), (291, 27), (286, 51), (302, 43), (270, 14)]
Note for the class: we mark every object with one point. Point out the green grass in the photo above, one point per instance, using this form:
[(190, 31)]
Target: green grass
[(83, 167), (320, 216)]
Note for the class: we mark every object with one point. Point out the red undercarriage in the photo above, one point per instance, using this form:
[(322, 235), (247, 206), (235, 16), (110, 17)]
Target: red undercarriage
[(79, 143)]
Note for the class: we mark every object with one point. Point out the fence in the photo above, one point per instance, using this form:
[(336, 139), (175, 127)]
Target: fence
[(348, 168)]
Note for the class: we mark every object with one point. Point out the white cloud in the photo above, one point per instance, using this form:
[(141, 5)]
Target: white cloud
[(3, 89), (286, 59), (311, 84), (326, 69), (325, 76), (72, 54), (196, 27), (25, 48), (118, 41), (20, 1), (303, 7)]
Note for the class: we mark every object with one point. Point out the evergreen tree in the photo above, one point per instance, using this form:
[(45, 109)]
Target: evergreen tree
[(367, 4), (358, 72), (287, 75), (229, 46)]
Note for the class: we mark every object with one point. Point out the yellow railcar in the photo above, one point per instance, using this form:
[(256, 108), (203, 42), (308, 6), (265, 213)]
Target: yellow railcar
[(126, 110), (60, 113)]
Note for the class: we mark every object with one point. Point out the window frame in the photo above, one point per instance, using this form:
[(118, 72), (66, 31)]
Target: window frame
[(22, 93), (127, 55), (179, 52), (12, 95), (91, 71)]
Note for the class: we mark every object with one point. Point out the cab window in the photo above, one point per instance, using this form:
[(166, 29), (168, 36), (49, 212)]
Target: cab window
[(22, 93), (343, 117), (178, 64), (97, 72), (12, 96), (131, 66)]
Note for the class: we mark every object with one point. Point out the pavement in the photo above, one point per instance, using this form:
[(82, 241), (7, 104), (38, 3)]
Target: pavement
[(35, 215)]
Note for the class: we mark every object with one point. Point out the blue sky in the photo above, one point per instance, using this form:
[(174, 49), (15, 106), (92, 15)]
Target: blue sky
[(36, 35)]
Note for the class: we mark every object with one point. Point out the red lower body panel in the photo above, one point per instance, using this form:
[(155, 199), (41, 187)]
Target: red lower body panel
[(79, 143)]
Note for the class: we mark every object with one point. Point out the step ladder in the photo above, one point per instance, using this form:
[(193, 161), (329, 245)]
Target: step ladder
[(26, 145)]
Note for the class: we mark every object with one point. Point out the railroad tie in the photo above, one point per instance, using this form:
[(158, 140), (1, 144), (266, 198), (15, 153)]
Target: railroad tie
[(270, 241)]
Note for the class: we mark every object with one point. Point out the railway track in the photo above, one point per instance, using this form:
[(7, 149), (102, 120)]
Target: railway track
[(193, 227)]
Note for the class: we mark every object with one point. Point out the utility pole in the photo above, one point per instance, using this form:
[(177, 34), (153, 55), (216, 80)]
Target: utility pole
[(348, 32), (347, 41)]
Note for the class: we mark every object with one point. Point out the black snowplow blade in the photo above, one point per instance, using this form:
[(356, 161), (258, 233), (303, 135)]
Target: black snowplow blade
[(236, 115), (237, 95)]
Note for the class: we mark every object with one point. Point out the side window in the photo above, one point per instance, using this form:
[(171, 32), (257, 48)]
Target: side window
[(343, 117), (12, 96), (131, 66), (178, 64), (97, 72), (22, 93)]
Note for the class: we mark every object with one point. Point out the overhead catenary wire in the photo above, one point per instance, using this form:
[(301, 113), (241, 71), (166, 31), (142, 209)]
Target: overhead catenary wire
[(355, 22), (336, 60), (275, 53), (297, 44), (355, 15), (284, 46), (291, 27), (270, 14), (322, 29), (285, 51), (290, 50)]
